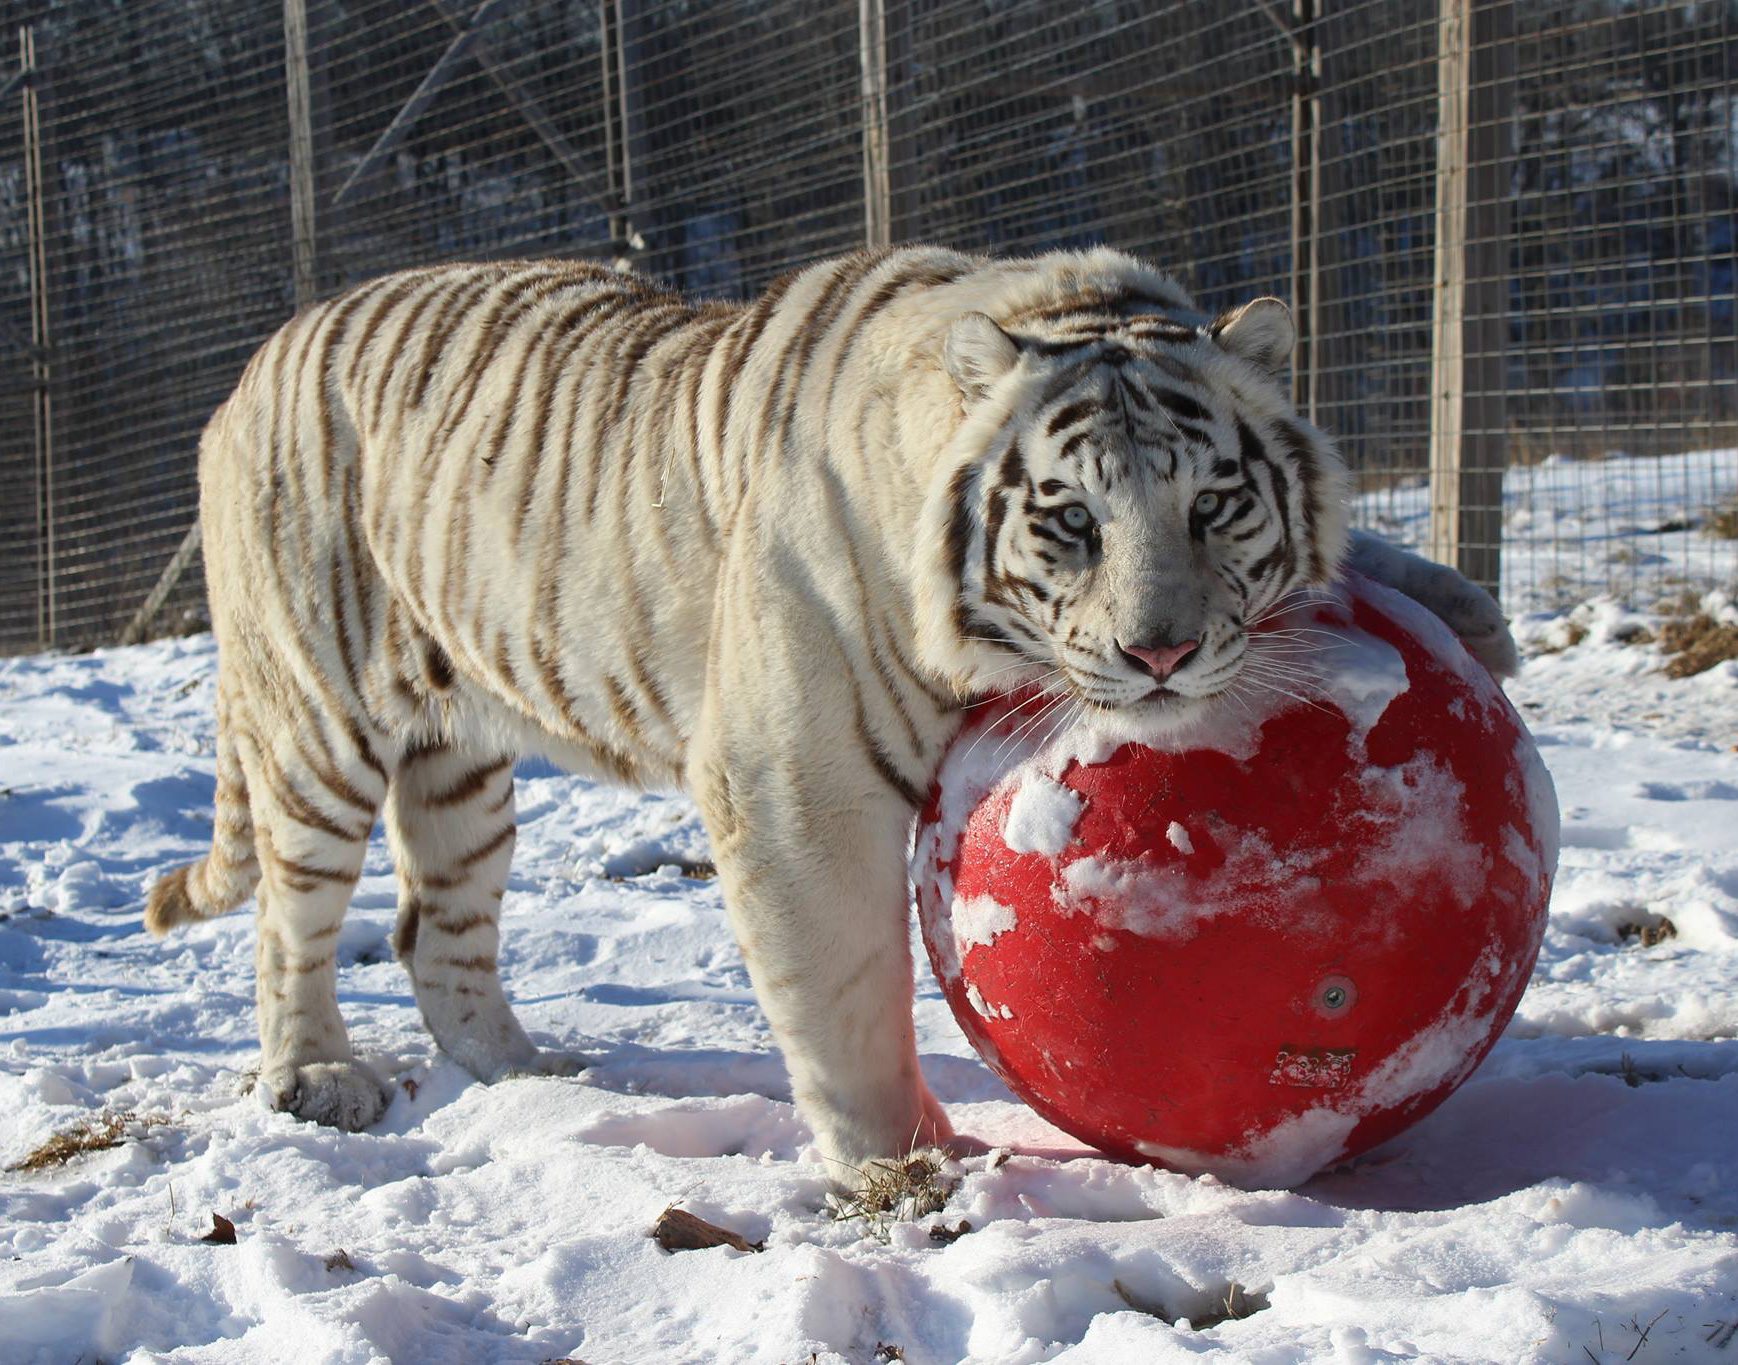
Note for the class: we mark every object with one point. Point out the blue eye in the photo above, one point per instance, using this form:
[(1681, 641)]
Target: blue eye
[(1206, 504), (1076, 518)]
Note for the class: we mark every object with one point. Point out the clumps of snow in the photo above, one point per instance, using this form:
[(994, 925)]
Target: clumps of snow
[(1360, 674), (1418, 807), (978, 919), (1178, 838), (1163, 902), (82, 885), (963, 923), (1543, 813), (636, 839), (1521, 855), (976, 998), (1438, 1055), (1279, 1158), (1601, 621), (1041, 817)]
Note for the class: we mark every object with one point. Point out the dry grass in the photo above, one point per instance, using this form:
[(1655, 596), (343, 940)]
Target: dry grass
[(1648, 931), (892, 1192), (701, 870), (1571, 634), (97, 1134), (1696, 644), (1722, 522), (1234, 1305), (1237, 1304)]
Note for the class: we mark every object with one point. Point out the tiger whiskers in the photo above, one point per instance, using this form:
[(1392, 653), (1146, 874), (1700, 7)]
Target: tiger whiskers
[(1009, 668), (1287, 601), (1255, 679), (979, 738), (1009, 745), (1069, 717)]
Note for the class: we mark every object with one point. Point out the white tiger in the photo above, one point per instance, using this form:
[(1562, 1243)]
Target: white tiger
[(764, 551)]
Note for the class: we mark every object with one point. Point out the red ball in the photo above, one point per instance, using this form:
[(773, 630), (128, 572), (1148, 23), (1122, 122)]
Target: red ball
[(1266, 941)]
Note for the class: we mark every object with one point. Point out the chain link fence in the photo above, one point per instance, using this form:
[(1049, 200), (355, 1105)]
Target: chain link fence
[(1510, 244)]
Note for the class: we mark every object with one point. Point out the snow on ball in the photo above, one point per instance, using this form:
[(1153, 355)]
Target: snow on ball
[(1263, 940)]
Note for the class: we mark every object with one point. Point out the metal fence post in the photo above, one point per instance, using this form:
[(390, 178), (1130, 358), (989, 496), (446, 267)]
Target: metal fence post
[(877, 184), (1306, 203), (301, 150), (640, 232), (42, 400), (1468, 422)]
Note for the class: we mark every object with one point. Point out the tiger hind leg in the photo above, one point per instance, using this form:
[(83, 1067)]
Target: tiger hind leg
[(451, 823), (313, 796)]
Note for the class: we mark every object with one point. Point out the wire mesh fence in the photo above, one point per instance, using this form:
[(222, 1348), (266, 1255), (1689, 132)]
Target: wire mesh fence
[(190, 174)]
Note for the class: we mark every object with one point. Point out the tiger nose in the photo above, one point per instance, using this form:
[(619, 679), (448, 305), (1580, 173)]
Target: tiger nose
[(1162, 661)]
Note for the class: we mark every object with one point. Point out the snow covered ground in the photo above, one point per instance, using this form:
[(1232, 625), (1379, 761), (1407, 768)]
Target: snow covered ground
[(1577, 1199), (1572, 529)]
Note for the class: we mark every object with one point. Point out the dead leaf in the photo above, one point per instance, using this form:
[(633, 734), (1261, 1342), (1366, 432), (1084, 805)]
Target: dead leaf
[(222, 1231), (679, 1230)]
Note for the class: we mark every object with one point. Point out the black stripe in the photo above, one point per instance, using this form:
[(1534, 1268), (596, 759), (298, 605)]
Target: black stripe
[(959, 532), (1072, 413), (1309, 474), (1255, 457), (1183, 405), (997, 514)]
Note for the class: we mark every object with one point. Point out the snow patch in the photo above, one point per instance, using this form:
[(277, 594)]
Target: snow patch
[(1285, 1155), (1360, 674), (970, 921), (978, 919), (1041, 817)]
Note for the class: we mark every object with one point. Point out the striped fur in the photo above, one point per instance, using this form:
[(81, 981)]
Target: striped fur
[(765, 551)]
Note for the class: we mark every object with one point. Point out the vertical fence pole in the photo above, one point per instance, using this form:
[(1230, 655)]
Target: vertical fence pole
[(877, 182), (42, 401), (608, 52), (1468, 424), (301, 150), (632, 57), (1306, 202)]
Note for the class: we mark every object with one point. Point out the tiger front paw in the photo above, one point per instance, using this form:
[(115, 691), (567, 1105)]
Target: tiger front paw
[(342, 1095)]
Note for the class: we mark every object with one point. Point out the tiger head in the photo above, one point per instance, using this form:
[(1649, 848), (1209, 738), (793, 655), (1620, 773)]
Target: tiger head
[(1128, 493)]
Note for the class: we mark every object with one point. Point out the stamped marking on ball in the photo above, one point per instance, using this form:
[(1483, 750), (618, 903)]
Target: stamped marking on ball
[(1318, 1068)]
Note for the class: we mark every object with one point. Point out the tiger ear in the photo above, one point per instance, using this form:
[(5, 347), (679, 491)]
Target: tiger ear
[(1260, 332), (977, 353)]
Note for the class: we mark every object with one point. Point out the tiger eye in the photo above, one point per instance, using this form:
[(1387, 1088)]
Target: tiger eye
[(1076, 518), (1206, 504)]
